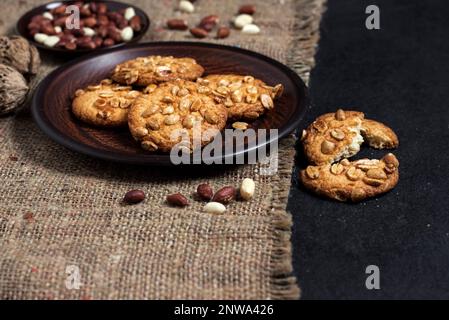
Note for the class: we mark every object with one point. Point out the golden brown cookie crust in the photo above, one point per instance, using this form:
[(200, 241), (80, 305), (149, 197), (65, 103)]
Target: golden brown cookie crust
[(333, 136), (174, 106), (144, 71), (105, 104), (352, 181), (245, 97), (378, 135)]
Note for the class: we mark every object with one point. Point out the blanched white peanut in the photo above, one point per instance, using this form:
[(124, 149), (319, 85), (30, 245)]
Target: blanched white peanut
[(88, 32), (215, 208), (129, 13), (251, 29), (51, 41), (48, 15), (247, 188), (186, 6), (127, 34), (58, 29), (242, 20), (40, 37)]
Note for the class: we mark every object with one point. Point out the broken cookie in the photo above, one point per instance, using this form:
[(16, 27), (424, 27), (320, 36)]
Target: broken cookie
[(333, 136), (352, 181)]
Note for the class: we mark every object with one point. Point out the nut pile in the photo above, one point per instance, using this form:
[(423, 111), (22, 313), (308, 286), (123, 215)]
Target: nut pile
[(99, 27), (216, 201), (243, 22)]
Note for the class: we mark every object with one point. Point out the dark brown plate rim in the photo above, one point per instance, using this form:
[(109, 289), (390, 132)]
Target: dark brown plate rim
[(22, 24), (46, 126)]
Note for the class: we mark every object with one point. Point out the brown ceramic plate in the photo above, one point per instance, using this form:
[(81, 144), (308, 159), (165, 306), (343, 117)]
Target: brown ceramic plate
[(22, 25), (51, 105)]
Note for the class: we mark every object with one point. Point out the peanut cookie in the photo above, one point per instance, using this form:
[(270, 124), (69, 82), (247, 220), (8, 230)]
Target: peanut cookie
[(245, 97), (352, 181), (171, 108), (143, 71), (105, 104), (333, 136), (378, 135)]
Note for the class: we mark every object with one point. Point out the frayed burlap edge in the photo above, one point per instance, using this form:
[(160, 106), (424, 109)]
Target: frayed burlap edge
[(301, 59)]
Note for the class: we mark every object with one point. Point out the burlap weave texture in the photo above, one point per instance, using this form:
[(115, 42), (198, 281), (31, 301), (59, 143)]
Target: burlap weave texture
[(60, 209)]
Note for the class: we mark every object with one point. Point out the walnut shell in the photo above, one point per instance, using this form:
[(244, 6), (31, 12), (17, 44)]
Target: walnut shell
[(17, 52), (13, 89)]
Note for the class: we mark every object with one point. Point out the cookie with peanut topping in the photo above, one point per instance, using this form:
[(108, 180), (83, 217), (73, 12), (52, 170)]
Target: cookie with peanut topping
[(352, 181), (175, 108), (245, 97), (144, 71), (105, 104), (333, 136)]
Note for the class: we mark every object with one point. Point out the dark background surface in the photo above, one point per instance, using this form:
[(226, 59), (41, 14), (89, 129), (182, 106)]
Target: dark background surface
[(398, 75)]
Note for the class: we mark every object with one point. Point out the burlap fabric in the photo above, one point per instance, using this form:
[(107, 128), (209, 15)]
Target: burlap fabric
[(62, 210)]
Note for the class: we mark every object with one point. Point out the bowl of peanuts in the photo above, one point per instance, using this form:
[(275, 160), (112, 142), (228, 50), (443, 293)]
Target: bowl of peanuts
[(83, 26)]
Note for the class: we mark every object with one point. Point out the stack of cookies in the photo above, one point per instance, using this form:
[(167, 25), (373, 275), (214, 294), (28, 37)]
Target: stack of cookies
[(334, 137), (156, 95)]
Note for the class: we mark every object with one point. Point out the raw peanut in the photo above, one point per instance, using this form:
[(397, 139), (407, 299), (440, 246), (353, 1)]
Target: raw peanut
[(48, 29), (114, 34), (90, 22), (250, 29), (70, 46), (205, 192), (37, 18), (223, 32), (177, 24), (178, 200), (98, 41), (60, 22), (198, 33), (34, 25), (51, 41), (108, 42), (48, 15), (135, 23), (242, 20), (134, 196), (33, 32), (127, 34), (209, 22), (89, 32), (59, 10), (247, 9), (215, 208), (247, 188), (224, 195), (123, 24), (40, 37), (85, 12), (102, 31), (102, 20), (85, 43), (102, 8), (129, 13)]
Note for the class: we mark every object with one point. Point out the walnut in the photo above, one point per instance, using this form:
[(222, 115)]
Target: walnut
[(13, 89), (18, 53)]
